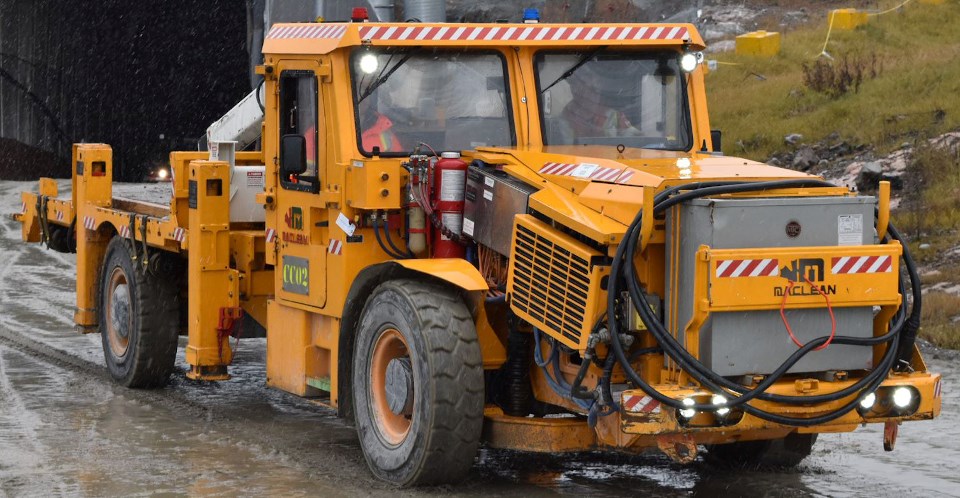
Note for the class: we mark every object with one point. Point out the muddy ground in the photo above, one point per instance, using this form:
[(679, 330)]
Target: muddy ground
[(65, 429)]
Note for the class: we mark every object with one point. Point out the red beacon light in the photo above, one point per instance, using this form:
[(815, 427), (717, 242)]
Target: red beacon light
[(359, 14)]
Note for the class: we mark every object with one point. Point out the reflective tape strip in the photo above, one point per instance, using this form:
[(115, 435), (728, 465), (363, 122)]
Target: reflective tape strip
[(125, 231), (640, 404), (861, 264), (23, 207), (936, 389), (602, 174), (490, 33), (733, 268), (271, 234), (310, 31), (59, 215), (335, 247), (89, 223), (179, 234)]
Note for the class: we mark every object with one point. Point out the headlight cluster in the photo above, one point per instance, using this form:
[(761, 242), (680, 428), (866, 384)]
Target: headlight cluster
[(719, 414), (892, 401)]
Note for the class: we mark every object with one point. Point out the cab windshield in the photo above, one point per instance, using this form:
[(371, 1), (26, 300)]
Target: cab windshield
[(451, 100), (597, 96)]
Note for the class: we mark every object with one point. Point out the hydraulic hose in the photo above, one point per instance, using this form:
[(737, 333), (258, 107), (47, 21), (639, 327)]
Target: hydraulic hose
[(376, 233), (625, 276), (905, 351), (394, 247)]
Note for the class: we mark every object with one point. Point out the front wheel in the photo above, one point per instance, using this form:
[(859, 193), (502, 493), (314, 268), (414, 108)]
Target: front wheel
[(417, 384)]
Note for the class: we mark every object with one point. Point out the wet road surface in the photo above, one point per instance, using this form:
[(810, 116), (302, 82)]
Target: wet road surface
[(65, 429)]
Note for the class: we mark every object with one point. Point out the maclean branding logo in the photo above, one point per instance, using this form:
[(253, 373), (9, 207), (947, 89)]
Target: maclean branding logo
[(294, 218), (809, 271)]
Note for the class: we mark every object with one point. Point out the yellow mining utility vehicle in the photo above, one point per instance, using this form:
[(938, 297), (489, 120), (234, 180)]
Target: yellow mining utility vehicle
[(521, 234)]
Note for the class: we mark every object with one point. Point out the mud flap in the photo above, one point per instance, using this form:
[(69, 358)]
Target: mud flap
[(681, 448)]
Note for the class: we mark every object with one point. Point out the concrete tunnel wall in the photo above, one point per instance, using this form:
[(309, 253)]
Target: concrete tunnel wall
[(128, 73), (114, 71)]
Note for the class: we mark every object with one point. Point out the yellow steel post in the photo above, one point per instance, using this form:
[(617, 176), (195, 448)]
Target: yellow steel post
[(213, 291), (93, 177), (883, 216)]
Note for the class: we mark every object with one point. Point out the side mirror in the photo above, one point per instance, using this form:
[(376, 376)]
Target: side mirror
[(715, 137), (293, 155)]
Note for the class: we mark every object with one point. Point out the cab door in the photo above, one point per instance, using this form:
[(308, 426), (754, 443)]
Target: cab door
[(300, 219)]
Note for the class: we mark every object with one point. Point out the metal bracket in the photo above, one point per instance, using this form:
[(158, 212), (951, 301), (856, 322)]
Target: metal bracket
[(131, 228), (143, 236)]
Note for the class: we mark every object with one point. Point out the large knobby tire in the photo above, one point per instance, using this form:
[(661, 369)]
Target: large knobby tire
[(775, 453), (139, 319), (418, 384)]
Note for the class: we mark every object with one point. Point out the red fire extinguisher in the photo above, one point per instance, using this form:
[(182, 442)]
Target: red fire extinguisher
[(449, 184)]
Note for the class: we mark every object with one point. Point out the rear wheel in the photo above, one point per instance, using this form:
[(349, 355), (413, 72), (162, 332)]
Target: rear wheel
[(776, 453), (139, 319), (417, 384)]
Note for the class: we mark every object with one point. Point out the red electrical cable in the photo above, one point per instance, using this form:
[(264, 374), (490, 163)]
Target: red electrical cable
[(783, 315)]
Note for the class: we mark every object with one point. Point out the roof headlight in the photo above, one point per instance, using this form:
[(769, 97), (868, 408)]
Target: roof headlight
[(690, 60), (369, 63)]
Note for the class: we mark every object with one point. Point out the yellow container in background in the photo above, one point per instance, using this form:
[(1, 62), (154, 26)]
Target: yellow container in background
[(761, 43), (847, 19)]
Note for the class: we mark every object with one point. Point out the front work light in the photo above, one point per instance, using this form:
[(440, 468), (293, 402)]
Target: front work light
[(720, 401), (868, 401), (902, 397), (688, 412)]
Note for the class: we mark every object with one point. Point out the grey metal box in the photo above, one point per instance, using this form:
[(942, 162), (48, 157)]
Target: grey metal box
[(756, 342), (491, 201)]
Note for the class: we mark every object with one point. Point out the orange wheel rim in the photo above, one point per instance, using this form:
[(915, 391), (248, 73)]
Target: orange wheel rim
[(119, 316), (393, 427)]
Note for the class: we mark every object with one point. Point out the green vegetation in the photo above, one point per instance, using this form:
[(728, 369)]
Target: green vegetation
[(758, 101), (891, 81), (939, 319)]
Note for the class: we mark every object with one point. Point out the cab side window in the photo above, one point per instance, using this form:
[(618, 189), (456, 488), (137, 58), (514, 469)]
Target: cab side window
[(299, 116)]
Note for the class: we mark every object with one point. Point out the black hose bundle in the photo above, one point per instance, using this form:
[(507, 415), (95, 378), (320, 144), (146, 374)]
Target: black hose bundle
[(623, 277)]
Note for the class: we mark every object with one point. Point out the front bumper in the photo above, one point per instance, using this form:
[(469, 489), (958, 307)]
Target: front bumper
[(642, 415)]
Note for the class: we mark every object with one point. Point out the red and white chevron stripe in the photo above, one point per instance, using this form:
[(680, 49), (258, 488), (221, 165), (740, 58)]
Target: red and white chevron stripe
[(89, 223), (125, 231), (271, 234), (522, 33), (748, 268), (557, 168), (179, 234), (862, 264), (322, 31), (640, 404), (593, 172), (59, 215), (23, 207), (936, 389), (335, 247)]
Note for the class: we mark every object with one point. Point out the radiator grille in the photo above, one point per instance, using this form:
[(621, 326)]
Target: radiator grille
[(552, 282)]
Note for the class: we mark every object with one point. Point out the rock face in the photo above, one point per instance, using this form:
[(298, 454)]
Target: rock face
[(805, 158)]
